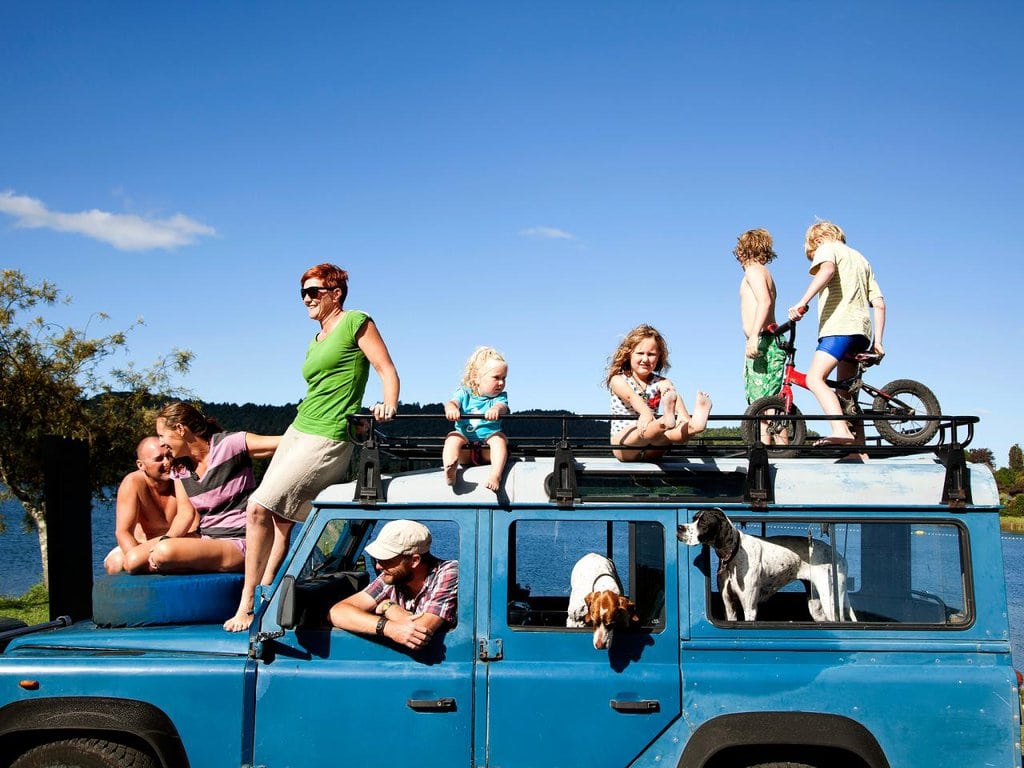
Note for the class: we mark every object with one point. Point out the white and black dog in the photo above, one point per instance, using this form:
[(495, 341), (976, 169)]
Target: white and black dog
[(751, 569)]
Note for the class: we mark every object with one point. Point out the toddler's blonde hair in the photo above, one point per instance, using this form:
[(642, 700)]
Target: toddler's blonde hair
[(476, 363)]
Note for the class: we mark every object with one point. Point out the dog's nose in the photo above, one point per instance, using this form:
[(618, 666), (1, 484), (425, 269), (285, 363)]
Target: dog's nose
[(681, 532)]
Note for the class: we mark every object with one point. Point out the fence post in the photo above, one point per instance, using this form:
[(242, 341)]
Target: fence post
[(68, 526)]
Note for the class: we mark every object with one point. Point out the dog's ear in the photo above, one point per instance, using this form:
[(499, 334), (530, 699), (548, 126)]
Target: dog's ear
[(627, 605), (588, 617)]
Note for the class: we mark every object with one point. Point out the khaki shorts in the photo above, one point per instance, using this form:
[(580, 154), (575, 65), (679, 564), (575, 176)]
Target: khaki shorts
[(303, 465)]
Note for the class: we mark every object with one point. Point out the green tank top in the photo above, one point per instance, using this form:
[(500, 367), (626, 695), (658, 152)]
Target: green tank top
[(336, 371)]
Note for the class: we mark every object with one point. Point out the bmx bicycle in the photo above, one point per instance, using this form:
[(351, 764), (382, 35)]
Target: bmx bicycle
[(895, 408)]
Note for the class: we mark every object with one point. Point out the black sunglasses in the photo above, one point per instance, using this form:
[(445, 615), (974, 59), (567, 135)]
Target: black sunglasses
[(313, 291)]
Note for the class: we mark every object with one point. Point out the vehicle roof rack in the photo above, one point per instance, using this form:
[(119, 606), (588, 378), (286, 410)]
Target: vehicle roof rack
[(566, 437)]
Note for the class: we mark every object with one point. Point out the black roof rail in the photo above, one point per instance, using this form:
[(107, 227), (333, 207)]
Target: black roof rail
[(591, 439)]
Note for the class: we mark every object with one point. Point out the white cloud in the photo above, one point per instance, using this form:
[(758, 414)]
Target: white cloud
[(126, 232), (547, 233)]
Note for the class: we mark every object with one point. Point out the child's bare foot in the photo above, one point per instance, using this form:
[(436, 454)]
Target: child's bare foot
[(449, 472), (668, 402), (494, 481), (701, 411)]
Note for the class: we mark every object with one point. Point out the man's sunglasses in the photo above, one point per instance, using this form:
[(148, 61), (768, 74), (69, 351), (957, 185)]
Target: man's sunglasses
[(313, 292)]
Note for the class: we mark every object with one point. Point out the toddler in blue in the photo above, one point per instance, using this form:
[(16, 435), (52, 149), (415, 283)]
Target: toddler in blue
[(478, 440)]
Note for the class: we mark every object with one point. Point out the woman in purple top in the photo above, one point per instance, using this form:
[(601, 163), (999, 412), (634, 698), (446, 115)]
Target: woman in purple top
[(212, 472)]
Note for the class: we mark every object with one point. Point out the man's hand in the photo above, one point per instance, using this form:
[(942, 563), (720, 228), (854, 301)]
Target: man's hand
[(408, 633)]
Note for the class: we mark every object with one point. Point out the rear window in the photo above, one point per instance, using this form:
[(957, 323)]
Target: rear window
[(898, 573)]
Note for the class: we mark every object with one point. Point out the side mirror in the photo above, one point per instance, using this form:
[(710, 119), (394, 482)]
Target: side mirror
[(287, 611)]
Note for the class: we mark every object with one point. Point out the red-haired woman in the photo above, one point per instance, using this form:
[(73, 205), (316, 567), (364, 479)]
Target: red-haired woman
[(316, 449)]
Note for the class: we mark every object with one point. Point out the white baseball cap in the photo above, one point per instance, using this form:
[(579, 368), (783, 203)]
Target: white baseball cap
[(400, 537)]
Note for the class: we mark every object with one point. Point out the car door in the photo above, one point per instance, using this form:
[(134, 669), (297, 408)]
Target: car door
[(327, 696), (552, 699)]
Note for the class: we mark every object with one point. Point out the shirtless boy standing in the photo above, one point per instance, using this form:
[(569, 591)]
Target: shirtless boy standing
[(765, 358), (145, 507)]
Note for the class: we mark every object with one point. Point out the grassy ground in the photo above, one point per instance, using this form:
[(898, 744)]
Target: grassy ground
[(1012, 524), (33, 607)]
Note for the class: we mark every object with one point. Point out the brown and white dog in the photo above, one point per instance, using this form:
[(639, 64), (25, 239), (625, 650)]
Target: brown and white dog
[(752, 569), (595, 598)]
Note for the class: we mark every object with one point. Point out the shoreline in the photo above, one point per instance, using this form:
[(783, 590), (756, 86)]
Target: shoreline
[(1011, 524)]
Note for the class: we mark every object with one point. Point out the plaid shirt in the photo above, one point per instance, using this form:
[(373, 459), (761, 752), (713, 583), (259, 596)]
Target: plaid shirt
[(439, 595)]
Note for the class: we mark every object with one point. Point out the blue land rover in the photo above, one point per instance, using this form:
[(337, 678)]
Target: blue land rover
[(918, 675)]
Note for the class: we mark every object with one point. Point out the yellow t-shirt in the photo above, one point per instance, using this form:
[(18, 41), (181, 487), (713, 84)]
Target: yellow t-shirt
[(843, 302)]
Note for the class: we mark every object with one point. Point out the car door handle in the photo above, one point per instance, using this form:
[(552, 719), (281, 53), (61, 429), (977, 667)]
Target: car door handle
[(643, 706), (446, 704)]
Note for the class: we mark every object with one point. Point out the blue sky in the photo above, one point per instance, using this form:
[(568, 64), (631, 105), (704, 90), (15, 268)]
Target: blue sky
[(535, 176)]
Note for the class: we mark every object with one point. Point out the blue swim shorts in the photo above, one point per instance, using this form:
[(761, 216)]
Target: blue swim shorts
[(840, 347)]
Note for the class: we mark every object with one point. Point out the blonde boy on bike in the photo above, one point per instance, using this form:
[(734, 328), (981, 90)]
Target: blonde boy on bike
[(845, 285), (765, 358)]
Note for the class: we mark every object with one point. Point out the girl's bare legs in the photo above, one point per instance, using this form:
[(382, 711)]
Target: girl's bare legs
[(499, 454), (668, 404), (450, 456), (686, 425)]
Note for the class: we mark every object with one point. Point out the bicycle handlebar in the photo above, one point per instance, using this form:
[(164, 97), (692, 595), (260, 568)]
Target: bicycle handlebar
[(779, 330)]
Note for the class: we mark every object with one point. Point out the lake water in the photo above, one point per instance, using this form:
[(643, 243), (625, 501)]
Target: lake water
[(20, 567)]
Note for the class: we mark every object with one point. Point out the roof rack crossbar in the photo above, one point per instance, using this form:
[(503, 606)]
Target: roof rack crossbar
[(758, 488)]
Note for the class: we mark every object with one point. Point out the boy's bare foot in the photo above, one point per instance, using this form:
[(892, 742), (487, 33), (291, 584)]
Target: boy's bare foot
[(494, 482), (449, 472), (701, 411), (239, 622), (668, 402)]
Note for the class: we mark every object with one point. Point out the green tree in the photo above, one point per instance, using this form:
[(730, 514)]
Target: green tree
[(61, 381), (982, 456), (1005, 477), (1016, 458), (1014, 507)]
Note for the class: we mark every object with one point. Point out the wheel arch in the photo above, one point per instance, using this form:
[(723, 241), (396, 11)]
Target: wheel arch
[(25, 724), (790, 732)]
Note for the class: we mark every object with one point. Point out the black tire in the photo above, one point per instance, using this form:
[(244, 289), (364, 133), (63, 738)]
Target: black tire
[(904, 399), (765, 406), (781, 765), (84, 753)]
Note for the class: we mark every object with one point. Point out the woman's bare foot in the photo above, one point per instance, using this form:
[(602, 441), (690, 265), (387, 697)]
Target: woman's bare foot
[(701, 411), (239, 622), (668, 403), (449, 472)]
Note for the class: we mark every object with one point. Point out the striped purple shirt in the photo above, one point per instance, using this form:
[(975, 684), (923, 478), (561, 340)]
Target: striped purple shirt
[(221, 495)]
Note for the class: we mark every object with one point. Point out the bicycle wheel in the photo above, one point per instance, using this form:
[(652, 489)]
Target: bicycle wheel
[(781, 430), (897, 406)]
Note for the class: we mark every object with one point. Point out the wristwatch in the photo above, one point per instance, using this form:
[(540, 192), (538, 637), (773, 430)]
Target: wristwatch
[(380, 625), (382, 609)]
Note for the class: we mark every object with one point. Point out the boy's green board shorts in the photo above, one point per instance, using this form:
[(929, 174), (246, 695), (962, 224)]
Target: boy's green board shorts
[(762, 376)]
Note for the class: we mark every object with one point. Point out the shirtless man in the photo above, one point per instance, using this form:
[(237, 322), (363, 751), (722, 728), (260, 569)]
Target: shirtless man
[(145, 508), (765, 358)]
